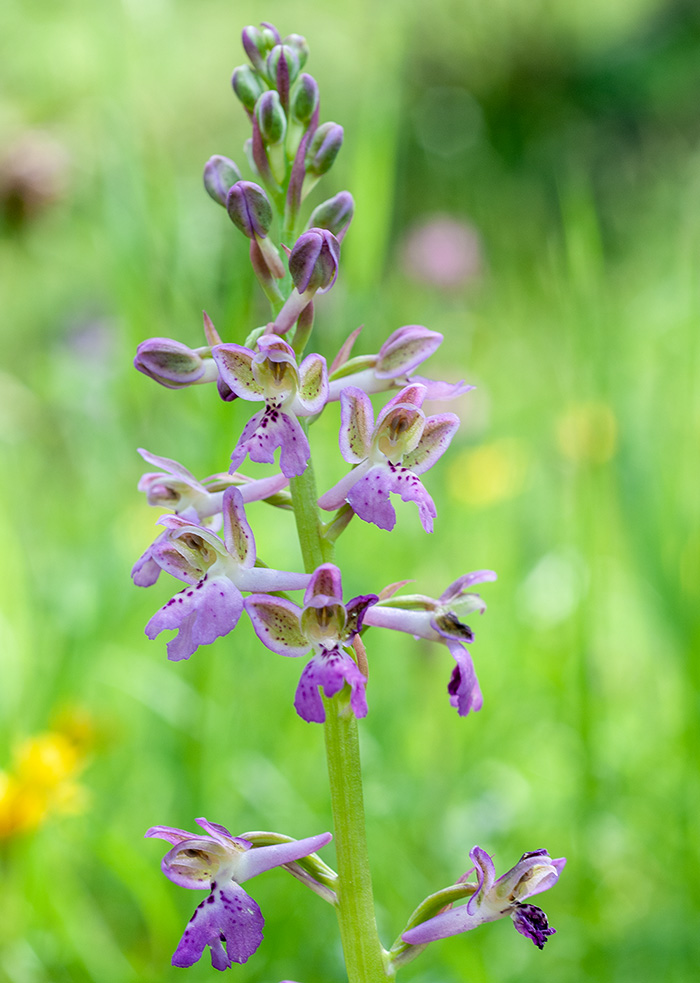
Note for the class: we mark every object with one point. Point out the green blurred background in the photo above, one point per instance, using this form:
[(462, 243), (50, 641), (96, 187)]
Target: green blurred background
[(563, 136)]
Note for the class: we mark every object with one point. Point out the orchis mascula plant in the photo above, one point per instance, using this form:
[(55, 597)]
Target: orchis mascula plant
[(207, 540)]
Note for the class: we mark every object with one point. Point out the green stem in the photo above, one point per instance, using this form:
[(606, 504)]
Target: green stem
[(365, 959)]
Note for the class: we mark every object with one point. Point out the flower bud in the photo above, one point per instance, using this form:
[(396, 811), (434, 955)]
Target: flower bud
[(172, 364), (220, 174), (249, 209), (334, 214), (313, 262), (305, 98), (279, 52), (323, 149), (247, 86), (257, 43), (300, 45), (271, 118)]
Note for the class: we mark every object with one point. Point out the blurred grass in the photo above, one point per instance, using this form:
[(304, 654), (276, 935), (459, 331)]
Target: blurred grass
[(574, 476)]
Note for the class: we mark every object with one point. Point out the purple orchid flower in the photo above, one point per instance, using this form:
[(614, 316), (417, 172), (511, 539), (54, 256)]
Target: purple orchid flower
[(388, 455), (222, 863), (390, 368), (176, 488), (440, 620), (324, 625), (271, 375), (492, 899), (217, 570)]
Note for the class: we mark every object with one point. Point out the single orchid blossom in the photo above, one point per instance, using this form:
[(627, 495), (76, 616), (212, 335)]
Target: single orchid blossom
[(176, 488), (324, 625), (217, 570), (440, 620), (221, 862), (388, 455), (403, 351), (492, 899), (271, 375)]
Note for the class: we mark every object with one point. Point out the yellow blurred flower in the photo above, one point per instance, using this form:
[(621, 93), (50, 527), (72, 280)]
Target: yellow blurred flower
[(488, 474), (42, 778), (587, 433)]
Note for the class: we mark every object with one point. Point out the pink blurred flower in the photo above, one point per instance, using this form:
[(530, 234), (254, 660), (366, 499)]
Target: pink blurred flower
[(442, 251)]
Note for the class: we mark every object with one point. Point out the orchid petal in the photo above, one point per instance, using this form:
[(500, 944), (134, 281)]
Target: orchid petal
[(437, 435), (178, 560), (329, 671), (406, 348), (263, 858), (228, 914), (356, 424), (193, 863), (411, 395), (325, 585), (486, 874), (171, 467), (313, 385), (268, 430), (219, 832), (398, 431), (356, 610), (437, 390), (170, 833), (146, 571), (200, 615), (463, 687), (238, 535), (369, 497), (236, 369), (276, 623), (459, 586)]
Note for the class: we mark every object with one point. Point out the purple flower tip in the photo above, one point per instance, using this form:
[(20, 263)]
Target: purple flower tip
[(532, 922)]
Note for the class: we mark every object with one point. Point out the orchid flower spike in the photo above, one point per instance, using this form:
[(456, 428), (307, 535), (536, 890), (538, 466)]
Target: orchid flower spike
[(441, 620), (325, 626), (222, 862), (492, 899), (271, 375), (403, 351), (176, 488), (388, 455), (217, 570)]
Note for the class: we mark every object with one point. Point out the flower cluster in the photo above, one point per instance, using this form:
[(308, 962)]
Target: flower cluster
[(205, 535)]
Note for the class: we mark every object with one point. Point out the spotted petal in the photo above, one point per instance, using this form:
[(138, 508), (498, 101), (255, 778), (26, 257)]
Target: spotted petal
[(369, 497), (228, 915), (313, 385), (405, 349), (329, 670), (236, 369), (238, 535), (276, 623), (200, 614), (264, 433), (435, 439), (356, 424)]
